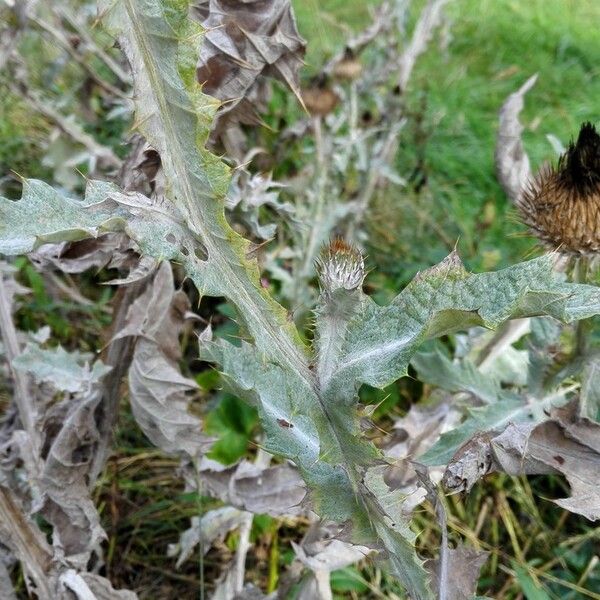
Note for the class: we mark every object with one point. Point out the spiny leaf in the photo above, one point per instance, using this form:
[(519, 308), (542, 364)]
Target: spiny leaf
[(66, 371), (437, 369), (328, 449), (381, 340), (175, 117)]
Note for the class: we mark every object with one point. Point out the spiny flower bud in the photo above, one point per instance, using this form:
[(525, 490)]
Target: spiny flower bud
[(340, 266), (562, 204)]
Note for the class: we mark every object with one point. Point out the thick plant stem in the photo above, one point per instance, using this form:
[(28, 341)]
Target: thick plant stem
[(312, 242), (27, 543), (583, 327), (23, 399)]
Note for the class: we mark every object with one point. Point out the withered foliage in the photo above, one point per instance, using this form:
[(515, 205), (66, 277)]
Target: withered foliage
[(245, 45)]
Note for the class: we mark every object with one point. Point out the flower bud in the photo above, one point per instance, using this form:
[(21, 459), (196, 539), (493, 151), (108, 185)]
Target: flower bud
[(340, 266)]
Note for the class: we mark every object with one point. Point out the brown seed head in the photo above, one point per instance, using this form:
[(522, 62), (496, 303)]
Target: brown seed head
[(319, 100), (348, 68), (340, 266), (562, 204)]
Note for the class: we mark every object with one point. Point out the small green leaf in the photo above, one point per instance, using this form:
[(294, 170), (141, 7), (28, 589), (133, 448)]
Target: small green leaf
[(437, 369), (348, 579), (233, 422), (530, 589), (66, 371)]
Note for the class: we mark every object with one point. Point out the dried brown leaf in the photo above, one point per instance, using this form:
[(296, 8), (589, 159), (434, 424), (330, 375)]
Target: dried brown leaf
[(112, 249), (322, 552), (277, 490), (565, 443), (246, 43), (66, 502), (552, 447), (89, 586), (472, 461), (11, 286), (463, 566), (158, 390), (512, 162), (214, 524)]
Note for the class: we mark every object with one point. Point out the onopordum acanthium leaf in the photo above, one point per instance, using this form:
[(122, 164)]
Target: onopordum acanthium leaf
[(66, 371), (380, 340), (175, 117)]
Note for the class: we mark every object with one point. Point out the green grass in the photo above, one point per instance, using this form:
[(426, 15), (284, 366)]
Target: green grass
[(326, 24), (496, 45)]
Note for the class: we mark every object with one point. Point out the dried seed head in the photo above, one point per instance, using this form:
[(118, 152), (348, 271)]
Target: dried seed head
[(562, 205), (340, 266), (319, 100), (349, 68)]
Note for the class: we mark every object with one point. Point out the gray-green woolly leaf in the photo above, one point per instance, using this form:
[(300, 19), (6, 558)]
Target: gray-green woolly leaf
[(174, 115), (334, 313), (402, 560), (45, 215), (381, 340), (290, 415), (437, 369), (328, 450), (66, 371), (394, 533), (248, 193), (493, 417), (510, 367)]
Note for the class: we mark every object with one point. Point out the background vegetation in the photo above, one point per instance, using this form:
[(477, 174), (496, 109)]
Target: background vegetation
[(538, 551)]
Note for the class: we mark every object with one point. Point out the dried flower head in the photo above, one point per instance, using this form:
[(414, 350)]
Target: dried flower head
[(349, 68), (319, 100), (340, 266), (562, 204)]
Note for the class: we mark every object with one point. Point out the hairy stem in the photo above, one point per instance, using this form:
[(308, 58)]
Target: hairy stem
[(583, 327), (23, 399)]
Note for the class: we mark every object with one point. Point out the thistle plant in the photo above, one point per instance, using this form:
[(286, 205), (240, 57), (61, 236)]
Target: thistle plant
[(306, 394)]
